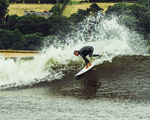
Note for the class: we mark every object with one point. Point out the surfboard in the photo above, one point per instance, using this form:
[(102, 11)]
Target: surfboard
[(86, 69)]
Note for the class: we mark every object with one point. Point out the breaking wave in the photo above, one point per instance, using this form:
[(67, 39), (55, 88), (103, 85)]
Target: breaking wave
[(106, 35)]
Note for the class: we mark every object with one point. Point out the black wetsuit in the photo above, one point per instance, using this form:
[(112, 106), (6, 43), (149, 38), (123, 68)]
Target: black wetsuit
[(87, 50)]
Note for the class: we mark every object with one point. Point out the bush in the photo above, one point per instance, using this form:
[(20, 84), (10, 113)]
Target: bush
[(10, 22), (9, 38), (56, 10), (138, 14), (118, 9), (30, 24), (79, 16), (131, 22), (144, 2), (94, 8), (16, 40), (82, 14), (57, 24), (3, 8), (31, 42)]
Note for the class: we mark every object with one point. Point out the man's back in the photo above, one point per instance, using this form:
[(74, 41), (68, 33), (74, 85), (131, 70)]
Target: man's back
[(84, 51)]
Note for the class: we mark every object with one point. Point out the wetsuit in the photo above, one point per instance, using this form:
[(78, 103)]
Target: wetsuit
[(87, 50)]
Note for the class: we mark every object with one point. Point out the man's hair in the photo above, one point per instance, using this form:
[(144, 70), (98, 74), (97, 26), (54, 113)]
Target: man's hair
[(76, 51)]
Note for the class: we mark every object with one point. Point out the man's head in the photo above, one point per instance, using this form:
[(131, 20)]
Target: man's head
[(76, 52)]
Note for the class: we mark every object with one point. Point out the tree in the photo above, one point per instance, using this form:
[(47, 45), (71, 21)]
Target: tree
[(79, 16), (10, 22), (94, 8), (57, 24), (9, 38), (118, 9), (3, 8), (82, 14), (145, 2), (30, 24), (31, 42), (16, 40), (56, 10)]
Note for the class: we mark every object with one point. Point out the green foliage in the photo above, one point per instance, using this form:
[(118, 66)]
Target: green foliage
[(138, 10), (79, 16), (131, 22), (16, 40), (56, 10), (10, 22), (31, 41), (8, 38), (135, 16), (82, 14), (148, 38), (29, 24), (94, 8), (57, 24), (145, 3), (3, 8), (118, 9)]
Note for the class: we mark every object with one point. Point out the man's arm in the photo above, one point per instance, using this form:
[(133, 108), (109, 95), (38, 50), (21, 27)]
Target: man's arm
[(94, 55)]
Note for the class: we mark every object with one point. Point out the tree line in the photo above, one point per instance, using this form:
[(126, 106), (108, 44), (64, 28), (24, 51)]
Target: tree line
[(135, 16), (28, 32)]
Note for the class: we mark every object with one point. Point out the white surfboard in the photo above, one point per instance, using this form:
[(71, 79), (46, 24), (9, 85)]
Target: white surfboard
[(86, 69)]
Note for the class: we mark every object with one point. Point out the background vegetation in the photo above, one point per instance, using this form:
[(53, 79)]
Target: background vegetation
[(27, 32), (19, 9)]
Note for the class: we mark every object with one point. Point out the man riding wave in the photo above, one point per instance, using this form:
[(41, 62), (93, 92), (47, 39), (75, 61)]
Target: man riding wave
[(84, 51)]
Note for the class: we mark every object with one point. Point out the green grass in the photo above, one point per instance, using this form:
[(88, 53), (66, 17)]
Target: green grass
[(72, 7), (19, 9)]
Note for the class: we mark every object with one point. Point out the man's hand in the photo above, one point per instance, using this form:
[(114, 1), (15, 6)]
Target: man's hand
[(100, 55)]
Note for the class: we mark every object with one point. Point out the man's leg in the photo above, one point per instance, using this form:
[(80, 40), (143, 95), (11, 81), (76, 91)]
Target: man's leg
[(86, 60), (91, 52)]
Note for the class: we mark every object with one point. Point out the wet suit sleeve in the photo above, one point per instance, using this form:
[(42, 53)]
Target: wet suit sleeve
[(94, 55)]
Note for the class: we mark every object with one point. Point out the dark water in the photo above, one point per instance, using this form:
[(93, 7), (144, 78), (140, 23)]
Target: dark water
[(126, 77), (113, 90)]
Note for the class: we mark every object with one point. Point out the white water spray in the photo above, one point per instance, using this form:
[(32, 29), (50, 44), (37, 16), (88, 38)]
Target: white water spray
[(105, 35)]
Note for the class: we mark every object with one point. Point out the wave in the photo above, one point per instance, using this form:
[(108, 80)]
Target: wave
[(124, 77), (107, 36)]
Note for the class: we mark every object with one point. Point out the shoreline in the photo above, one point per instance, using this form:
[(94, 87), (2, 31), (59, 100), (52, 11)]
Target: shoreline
[(18, 53)]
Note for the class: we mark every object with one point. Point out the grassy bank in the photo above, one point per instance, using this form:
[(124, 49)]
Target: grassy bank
[(19, 9), (18, 53), (72, 7)]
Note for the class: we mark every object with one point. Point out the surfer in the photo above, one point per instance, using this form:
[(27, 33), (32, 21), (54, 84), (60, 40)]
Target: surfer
[(83, 52)]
